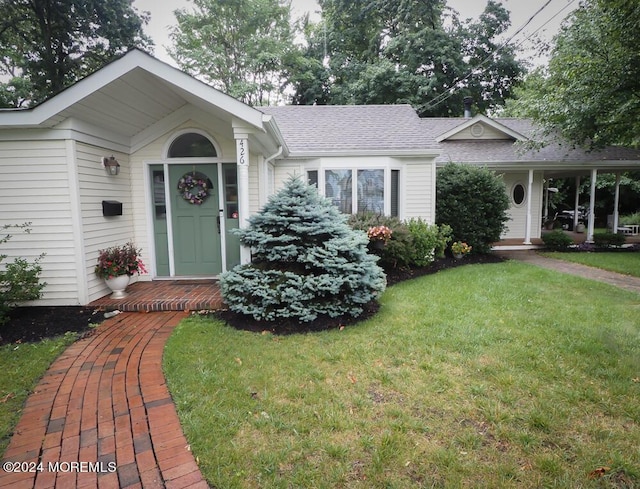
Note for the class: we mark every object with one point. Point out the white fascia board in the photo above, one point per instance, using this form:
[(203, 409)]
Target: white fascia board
[(112, 71), (408, 153), (485, 120), (604, 165)]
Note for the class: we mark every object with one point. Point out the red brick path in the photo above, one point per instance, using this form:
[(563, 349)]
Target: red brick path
[(104, 401)]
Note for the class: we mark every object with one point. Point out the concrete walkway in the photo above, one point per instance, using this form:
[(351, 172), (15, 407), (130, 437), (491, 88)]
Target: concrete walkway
[(626, 282), (102, 416)]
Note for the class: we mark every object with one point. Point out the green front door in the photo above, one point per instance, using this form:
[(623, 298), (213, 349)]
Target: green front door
[(195, 219)]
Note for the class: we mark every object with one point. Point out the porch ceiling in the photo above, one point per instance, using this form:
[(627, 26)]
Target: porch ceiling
[(134, 102)]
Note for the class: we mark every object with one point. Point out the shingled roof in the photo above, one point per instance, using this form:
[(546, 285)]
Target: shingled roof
[(509, 151), (309, 129)]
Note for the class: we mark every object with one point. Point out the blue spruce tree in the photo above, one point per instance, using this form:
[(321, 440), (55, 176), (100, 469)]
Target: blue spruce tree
[(306, 261)]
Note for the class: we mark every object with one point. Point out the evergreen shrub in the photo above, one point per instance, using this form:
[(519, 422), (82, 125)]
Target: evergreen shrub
[(557, 240), (608, 240), (474, 202), (306, 261)]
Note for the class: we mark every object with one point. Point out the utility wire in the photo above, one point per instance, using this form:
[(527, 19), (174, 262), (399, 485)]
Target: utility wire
[(450, 91)]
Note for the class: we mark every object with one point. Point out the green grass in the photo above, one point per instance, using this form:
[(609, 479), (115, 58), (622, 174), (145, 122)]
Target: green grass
[(22, 366), (626, 263), (501, 375)]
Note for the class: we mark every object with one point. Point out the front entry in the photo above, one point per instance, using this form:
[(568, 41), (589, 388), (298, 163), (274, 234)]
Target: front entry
[(194, 220)]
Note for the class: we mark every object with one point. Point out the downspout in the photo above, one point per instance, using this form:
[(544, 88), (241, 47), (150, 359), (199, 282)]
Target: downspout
[(264, 176), (268, 159)]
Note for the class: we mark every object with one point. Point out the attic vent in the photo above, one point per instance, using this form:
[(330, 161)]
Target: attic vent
[(477, 130)]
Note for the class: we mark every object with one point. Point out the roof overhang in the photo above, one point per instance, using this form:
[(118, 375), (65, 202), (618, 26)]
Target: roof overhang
[(394, 153), (130, 94)]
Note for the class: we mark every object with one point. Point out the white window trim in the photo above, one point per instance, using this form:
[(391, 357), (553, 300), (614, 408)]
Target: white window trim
[(322, 169)]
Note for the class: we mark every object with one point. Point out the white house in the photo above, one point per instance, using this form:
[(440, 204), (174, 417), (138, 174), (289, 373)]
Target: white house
[(164, 127)]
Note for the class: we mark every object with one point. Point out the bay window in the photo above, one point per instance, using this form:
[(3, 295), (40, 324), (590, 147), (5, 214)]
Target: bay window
[(354, 190)]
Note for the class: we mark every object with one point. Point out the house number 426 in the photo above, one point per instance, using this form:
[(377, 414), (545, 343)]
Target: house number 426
[(242, 152)]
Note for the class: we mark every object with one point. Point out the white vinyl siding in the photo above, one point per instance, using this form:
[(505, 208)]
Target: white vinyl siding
[(34, 187), (417, 190), (518, 213), (95, 185)]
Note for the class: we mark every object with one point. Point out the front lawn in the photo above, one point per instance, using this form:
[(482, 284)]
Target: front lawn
[(503, 375), (627, 263), (22, 365)]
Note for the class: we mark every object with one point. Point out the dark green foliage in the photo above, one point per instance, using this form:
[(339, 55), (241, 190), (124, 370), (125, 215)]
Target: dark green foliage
[(306, 261), (414, 243), (589, 91), (399, 250), (19, 280), (557, 240), (406, 51), (474, 202), (608, 240), (47, 45)]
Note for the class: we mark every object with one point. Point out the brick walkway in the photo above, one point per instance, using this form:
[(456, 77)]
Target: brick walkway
[(166, 295), (626, 282), (104, 401)]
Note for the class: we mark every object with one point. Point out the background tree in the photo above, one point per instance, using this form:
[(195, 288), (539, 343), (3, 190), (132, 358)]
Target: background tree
[(237, 46), (398, 51), (590, 91), (46, 45)]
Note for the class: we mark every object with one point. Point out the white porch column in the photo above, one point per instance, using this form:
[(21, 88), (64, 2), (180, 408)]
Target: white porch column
[(616, 204), (242, 160), (527, 231), (576, 204), (592, 206)]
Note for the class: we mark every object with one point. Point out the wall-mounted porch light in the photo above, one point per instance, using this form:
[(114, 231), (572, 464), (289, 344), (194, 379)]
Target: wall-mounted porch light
[(111, 165)]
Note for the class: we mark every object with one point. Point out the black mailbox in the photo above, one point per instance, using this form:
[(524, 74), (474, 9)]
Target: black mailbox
[(111, 208)]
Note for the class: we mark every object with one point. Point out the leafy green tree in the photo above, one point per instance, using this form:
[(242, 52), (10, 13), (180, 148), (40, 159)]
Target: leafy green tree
[(306, 261), (474, 202), (237, 46), (46, 45), (590, 91), (398, 51)]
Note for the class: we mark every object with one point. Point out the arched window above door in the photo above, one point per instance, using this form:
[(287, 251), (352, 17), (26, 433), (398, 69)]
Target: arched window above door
[(192, 145)]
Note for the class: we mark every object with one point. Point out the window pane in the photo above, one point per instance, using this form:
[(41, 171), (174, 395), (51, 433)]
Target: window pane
[(518, 194), (191, 145), (338, 189), (371, 191), (312, 177)]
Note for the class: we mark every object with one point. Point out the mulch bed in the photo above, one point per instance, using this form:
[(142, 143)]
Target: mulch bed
[(29, 324), (285, 327)]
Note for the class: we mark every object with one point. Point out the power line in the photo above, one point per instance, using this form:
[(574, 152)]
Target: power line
[(449, 92)]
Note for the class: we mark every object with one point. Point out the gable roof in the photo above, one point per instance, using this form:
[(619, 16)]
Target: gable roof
[(128, 95), (310, 130), (507, 152), (480, 120)]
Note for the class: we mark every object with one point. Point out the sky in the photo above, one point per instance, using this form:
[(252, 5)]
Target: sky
[(548, 21)]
